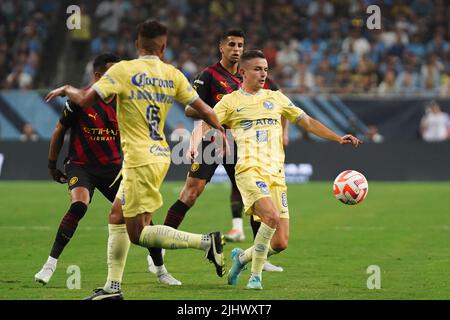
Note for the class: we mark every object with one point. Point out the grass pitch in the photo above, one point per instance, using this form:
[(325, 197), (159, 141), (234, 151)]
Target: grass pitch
[(404, 228)]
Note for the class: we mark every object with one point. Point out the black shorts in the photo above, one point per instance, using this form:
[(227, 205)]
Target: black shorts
[(94, 177), (204, 171)]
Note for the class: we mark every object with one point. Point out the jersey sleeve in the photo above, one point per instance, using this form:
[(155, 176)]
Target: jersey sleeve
[(288, 109), (202, 85), (221, 110), (185, 94), (110, 83), (69, 114)]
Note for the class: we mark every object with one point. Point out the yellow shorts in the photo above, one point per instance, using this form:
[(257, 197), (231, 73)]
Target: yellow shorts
[(253, 186), (139, 189)]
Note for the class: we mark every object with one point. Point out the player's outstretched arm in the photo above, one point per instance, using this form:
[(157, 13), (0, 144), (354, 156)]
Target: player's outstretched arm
[(56, 143), (207, 114), (83, 98), (316, 127), (191, 112), (285, 126)]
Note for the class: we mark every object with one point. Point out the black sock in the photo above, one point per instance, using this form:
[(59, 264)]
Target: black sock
[(175, 214), (67, 227), (255, 226), (174, 217), (236, 203)]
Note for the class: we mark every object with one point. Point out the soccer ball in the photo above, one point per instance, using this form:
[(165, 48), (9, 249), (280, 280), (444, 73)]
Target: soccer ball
[(350, 187)]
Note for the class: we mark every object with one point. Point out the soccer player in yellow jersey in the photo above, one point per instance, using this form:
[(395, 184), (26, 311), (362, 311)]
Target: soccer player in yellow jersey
[(254, 116), (146, 88)]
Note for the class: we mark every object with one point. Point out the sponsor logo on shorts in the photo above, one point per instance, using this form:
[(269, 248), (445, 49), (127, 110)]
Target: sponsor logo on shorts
[(262, 186), (195, 167), (284, 201), (72, 181)]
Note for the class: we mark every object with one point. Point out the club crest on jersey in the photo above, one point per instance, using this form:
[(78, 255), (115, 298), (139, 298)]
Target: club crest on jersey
[(284, 201), (262, 187), (72, 181), (268, 105)]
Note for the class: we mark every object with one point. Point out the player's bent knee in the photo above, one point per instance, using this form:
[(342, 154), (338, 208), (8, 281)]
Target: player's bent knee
[(279, 245), (190, 194), (134, 237), (271, 219), (116, 214)]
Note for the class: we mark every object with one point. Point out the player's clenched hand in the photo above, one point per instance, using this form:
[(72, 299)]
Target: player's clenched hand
[(57, 175), (192, 151), (348, 138), (61, 91)]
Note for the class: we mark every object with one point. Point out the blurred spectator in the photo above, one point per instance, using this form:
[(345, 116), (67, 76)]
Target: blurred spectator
[(407, 82), (323, 7), (287, 56), (18, 79), (387, 86), (28, 133), (80, 38), (435, 124), (444, 90), (303, 80), (372, 135)]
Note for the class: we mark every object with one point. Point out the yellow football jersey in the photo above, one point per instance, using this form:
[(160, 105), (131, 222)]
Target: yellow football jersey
[(146, 89), (255, 121)]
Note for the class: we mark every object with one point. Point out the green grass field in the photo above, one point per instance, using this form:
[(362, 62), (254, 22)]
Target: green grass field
[(404, 228)]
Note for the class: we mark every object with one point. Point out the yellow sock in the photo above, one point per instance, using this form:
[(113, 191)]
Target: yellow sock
[(169, 238), (246, 257), (261, 248), (118, 246)]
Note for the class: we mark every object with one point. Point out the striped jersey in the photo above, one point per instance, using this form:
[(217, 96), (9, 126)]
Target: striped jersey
[(94, 134)]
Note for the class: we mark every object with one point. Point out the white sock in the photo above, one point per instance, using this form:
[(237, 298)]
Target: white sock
[(52, 261), (112, 286), (237, 224), (160, 270)]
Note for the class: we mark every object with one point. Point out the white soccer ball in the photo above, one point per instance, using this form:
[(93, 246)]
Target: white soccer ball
[(350, 187)]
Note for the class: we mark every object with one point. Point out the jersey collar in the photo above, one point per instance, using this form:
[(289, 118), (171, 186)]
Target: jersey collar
[(245, 93), (149, 57)]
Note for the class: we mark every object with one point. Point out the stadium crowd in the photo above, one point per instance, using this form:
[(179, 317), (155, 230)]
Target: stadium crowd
[(25, 26), (313, 46)]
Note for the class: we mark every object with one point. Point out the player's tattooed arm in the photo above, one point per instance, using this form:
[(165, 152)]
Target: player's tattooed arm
[(83, 98), (56, 143), (316, 127)]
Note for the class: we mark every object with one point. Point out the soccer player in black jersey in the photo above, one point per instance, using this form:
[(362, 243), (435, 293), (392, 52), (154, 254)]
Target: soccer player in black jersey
[(93, 162), (211, 85)]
